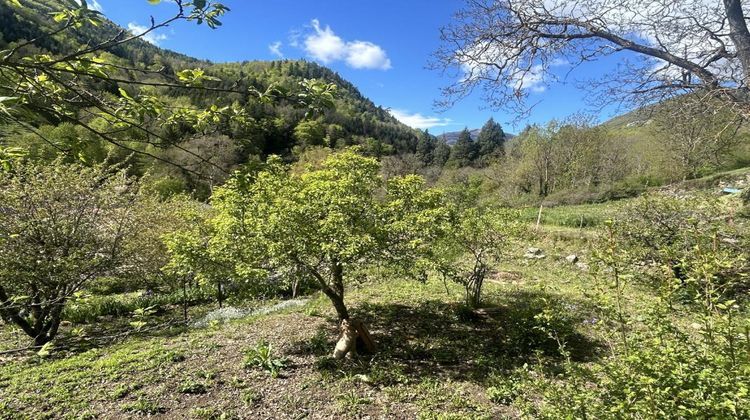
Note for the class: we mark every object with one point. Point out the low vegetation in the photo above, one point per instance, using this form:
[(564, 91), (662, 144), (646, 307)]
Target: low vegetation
[(651, 319)]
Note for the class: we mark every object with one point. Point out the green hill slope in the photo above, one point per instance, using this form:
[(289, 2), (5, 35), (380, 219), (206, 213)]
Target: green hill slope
[(273, 129)]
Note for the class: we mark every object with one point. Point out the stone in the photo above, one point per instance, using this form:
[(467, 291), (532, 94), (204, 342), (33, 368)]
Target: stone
[(534, 253), (572, 258)]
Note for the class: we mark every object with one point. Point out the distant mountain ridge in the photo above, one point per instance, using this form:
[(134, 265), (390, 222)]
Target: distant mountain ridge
[(452, 136)]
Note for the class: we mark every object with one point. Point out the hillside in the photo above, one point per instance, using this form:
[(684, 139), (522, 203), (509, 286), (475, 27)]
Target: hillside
[(354, 119), (181, 239)]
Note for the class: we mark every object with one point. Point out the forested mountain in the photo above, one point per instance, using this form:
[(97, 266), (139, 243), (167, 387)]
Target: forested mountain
[(278, 128), (452, 136)]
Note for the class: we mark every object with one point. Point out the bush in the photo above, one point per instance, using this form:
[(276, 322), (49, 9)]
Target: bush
[(665, 373), (665, 363), (60, 226), (690, 238), (87, 309)]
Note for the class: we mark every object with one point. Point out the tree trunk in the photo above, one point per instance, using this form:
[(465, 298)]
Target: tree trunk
[(10, 315), (352, 331), (335, 291), (338, 303), (474, 287), (740, 35), (219, 294), (42, 339), (184, 300)]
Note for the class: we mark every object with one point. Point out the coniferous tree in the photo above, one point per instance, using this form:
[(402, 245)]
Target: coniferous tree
[(464, 151), (442, 153), (425, 148), (490, 142)]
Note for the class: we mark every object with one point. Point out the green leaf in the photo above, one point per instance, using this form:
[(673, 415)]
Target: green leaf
[(154, 2), (45, 350), (124, 94), (16, 3), (138, 324)]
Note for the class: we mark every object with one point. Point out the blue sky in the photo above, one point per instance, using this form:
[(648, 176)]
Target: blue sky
[(382, 46)]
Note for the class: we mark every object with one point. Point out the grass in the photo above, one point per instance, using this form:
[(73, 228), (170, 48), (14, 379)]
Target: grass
[(418, 369), (581, 216), (592, 216)]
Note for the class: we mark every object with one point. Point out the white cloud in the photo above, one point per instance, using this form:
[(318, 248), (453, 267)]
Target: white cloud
[(417, 120), (152, 37), (275, 49), (366, 55), (294, 36), (532, 80), (325, 46)]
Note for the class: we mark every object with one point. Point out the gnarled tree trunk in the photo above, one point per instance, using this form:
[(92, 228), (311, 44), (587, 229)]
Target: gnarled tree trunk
[(47, 318), (353, 334)]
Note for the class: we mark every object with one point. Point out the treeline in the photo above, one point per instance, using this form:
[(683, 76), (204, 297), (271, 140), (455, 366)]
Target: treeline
[(578, 160)]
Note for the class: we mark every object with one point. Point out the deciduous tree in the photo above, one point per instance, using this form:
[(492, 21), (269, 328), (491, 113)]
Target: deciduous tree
[(330, 222), (60, 226), (671, 47)]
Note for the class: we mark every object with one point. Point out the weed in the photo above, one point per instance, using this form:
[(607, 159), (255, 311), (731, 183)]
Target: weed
[(192, 387), (143, 406), (251, 397), (176, 356), (504, 390), (261, 356), (122, 391), (350, 401), (318, 344), (207, 413)]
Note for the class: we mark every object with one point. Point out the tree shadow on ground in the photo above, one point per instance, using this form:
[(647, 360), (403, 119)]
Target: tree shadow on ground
[(107, 331), (439, 339), (105, 334)]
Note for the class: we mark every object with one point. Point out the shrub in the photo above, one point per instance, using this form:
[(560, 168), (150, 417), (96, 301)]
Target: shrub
[(664, 363), (60, 226), (681, 235), (665, 373), (472, 244)]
